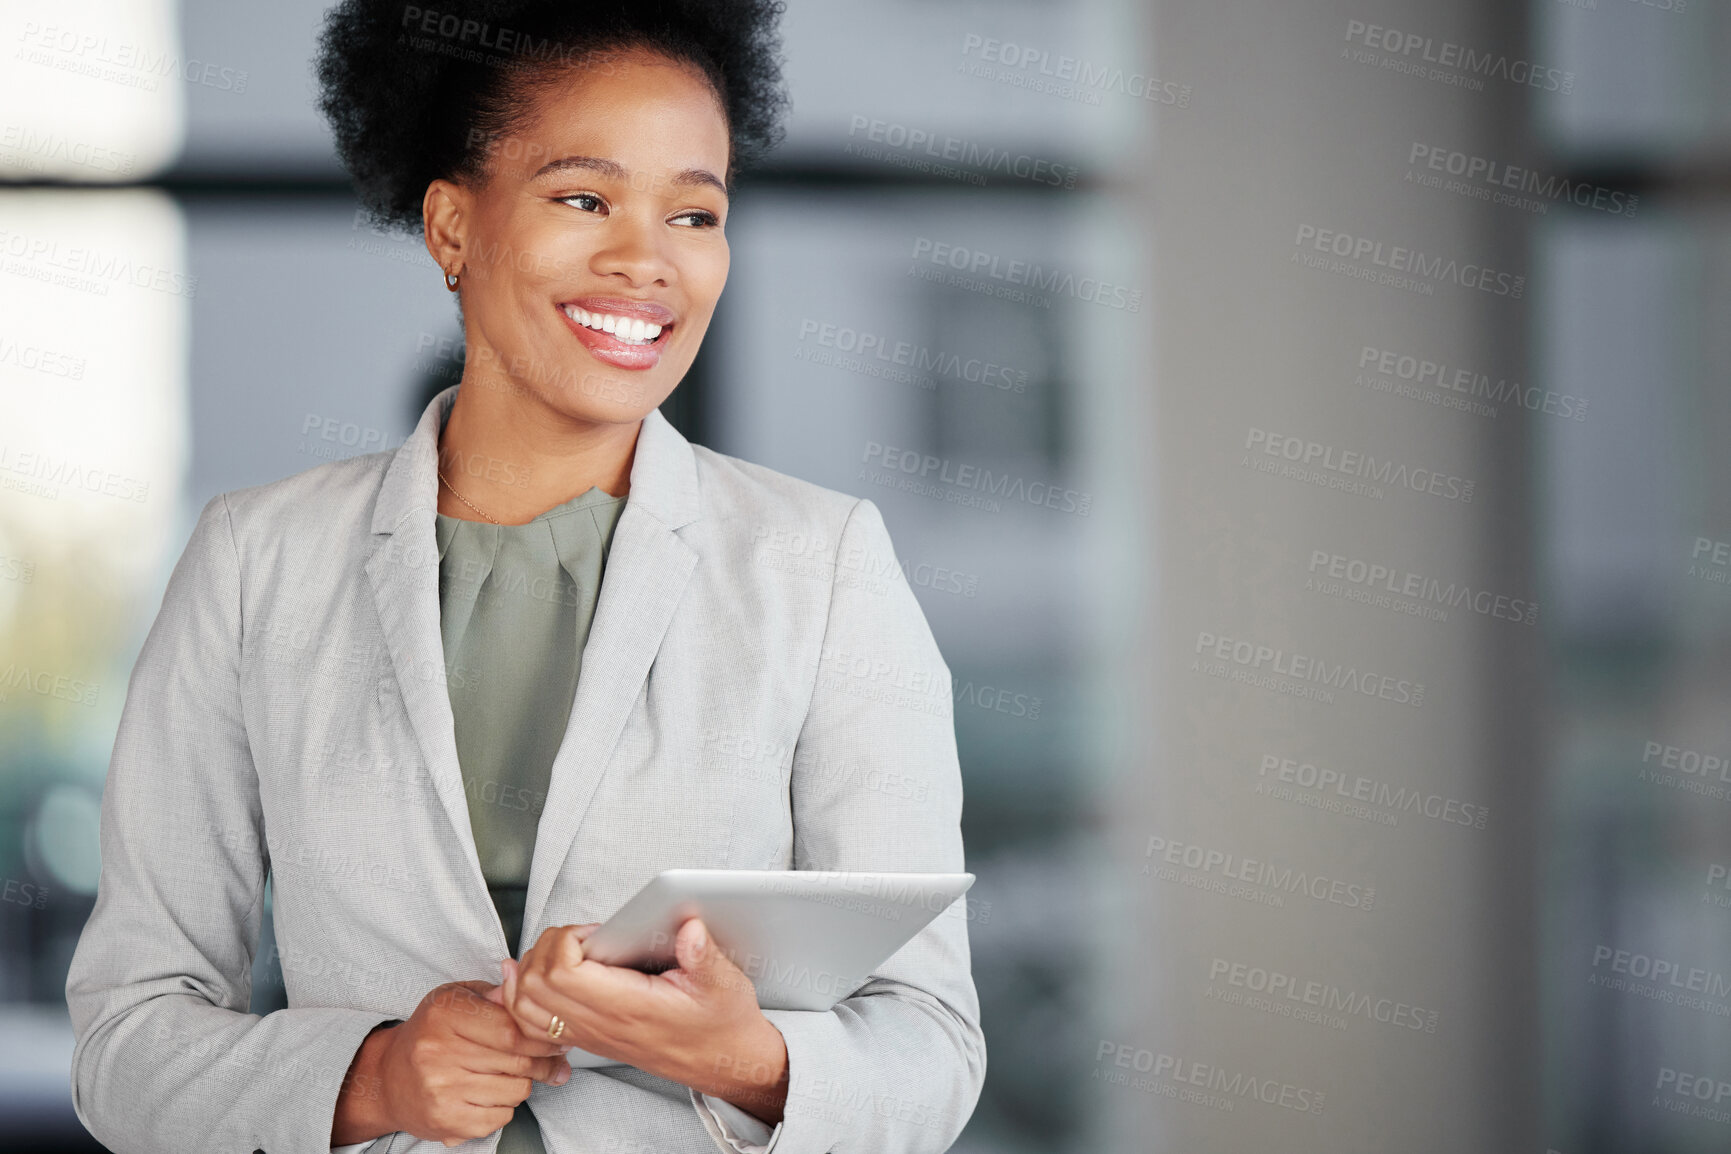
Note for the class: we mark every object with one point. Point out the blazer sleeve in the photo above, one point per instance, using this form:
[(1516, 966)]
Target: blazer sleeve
[(897, 1067), (167, 1058)]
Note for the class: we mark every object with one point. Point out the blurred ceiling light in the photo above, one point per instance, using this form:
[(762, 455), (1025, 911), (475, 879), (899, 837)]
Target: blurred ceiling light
[(92, 90), (95, 304)]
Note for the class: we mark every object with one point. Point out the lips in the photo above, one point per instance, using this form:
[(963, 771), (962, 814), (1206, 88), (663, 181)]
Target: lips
[(627, 347), (650, 311)]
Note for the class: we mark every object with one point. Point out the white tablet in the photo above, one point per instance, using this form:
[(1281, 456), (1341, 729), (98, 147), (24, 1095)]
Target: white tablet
[(806, 938)]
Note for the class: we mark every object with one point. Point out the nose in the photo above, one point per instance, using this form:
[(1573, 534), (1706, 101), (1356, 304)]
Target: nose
[(633, 248)]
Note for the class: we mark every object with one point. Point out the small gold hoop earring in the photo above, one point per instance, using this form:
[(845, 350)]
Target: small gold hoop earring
[(451, 281)]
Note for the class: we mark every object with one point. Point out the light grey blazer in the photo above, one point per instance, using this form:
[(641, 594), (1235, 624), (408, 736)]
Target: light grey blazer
[(760, 690)]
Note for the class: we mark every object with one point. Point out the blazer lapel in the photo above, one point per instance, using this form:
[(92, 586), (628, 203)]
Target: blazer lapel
[(648, 567), (404, 571)]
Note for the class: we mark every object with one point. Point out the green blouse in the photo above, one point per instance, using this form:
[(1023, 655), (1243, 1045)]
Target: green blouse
[(515, 605)]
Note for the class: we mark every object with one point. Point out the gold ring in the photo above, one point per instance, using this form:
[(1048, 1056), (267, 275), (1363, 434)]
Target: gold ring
[(555, 1028)]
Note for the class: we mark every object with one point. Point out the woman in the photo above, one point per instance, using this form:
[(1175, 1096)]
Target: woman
[(399, 686)]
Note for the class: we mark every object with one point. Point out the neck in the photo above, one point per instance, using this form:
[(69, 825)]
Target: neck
[(515, 458)]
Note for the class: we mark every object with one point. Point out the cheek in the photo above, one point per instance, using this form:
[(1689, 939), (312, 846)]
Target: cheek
[(704, 281), (718, 271), (534, 261)]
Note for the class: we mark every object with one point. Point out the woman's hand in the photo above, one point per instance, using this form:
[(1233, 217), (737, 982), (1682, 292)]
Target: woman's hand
[(455, 1070), (698, 1025)]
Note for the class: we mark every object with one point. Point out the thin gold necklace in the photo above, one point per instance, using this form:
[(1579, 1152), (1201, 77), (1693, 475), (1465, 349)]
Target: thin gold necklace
[(466, 500)]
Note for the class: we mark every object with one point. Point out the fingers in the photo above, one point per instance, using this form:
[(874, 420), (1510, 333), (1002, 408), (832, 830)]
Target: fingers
[(458, 997), (559, 946), (496, 1090), (492, 1025), (478, 1059), (527, 1036), (531, 1020), (553, 1071), (536, 1022), (691, 944)]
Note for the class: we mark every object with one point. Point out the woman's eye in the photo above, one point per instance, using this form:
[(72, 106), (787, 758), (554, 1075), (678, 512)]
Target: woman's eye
[(701, 217), (582, 196)]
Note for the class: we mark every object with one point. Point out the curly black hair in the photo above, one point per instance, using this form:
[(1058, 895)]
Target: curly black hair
[(415, 93)]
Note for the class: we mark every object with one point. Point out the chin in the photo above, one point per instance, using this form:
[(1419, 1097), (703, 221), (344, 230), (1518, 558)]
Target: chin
[(601, 401)]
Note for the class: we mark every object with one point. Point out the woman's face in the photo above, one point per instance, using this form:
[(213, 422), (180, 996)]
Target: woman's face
[(605, 211)]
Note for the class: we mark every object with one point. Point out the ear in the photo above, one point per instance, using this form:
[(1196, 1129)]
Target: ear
[(445, 212)]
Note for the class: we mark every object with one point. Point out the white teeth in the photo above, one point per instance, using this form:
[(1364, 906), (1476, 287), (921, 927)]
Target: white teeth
[(631, 330)]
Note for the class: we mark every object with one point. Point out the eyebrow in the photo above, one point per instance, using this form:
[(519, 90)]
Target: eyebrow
[(613, 170)]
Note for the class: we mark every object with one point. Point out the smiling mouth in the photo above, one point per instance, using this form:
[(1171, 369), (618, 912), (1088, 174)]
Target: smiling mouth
[(625, 330)]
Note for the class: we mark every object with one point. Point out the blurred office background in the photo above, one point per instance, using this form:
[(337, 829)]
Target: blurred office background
[(189, 303)]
